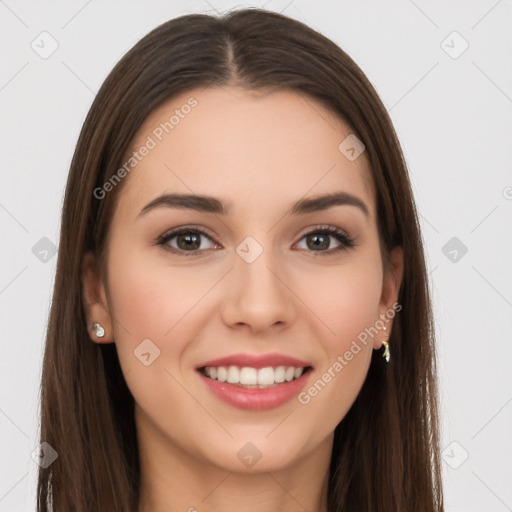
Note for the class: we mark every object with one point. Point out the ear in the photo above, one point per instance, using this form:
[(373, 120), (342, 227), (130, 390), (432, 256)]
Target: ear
[(95, 300), (392, 281)]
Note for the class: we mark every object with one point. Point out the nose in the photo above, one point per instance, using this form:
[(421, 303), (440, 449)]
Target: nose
[(258, 296)]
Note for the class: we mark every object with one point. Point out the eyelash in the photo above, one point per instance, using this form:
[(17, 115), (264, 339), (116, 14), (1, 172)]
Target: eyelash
[(345, 240)]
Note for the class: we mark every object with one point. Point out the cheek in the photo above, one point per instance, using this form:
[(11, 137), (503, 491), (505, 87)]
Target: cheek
[(149, 300), (346, 300), (343, 300), (332, 390), (153, 303)]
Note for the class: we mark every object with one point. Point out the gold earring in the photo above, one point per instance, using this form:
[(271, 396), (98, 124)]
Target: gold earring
[(98, 329), (385, 344), (386, 354)]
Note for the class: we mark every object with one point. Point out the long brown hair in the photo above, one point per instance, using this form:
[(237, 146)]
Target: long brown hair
[(386, 455)]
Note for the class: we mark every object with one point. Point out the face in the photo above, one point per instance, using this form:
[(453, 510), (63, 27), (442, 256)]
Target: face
[(260, 272)]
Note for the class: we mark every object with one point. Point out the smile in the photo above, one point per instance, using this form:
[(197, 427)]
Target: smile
[(253, 378), (256, 389)]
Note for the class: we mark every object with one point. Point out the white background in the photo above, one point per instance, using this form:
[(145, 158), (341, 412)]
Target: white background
[(453, 116)]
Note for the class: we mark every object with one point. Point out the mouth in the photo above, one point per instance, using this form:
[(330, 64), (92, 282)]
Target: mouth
[(255, 382), (248, 377)]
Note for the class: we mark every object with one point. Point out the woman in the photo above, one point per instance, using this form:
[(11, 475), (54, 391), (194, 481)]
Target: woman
[(241, 315)]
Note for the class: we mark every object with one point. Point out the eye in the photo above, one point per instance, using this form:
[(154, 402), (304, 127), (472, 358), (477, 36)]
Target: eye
[(319, 241), (186, 240)]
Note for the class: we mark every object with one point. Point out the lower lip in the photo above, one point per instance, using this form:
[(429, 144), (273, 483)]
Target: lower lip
[(256, 399)]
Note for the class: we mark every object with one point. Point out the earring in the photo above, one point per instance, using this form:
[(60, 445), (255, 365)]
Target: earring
[(386, 354), (100, 332), (385, 344)]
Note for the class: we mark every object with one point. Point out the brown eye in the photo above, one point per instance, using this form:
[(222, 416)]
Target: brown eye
[(319, 241), (186, 240)]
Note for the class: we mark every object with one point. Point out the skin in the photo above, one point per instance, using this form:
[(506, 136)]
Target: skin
[(257, 153)]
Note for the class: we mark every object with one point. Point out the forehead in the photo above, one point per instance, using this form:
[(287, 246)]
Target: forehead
[(245, 147)]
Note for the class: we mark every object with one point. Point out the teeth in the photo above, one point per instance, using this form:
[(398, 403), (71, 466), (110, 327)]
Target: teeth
[(247, 376), (279, 374), (266, 376), (289, 374), (233, 375), (222, 374)]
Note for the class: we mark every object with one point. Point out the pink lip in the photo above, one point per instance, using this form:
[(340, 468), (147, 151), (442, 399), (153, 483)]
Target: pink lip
[(255, 361), (256, 399)]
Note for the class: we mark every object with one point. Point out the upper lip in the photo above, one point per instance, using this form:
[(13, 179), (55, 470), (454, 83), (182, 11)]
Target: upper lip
[(255, 361)]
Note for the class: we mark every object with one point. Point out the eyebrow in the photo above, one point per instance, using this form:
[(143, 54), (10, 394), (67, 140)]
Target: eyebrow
[(208, 204)]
